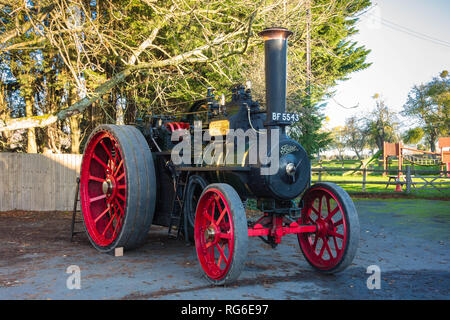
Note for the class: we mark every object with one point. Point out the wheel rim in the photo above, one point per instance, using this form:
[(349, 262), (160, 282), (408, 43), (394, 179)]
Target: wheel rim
[(103, 188), (326, 247), (214, 234)]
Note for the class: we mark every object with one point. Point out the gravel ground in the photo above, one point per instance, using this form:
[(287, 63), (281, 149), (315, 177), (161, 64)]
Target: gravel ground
[(407, 239)]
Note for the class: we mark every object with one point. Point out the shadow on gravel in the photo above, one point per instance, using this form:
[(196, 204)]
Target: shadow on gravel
[(411, 284)]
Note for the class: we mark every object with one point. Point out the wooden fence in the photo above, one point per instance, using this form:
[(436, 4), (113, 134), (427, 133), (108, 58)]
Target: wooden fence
[(41, 182), (412, 180)]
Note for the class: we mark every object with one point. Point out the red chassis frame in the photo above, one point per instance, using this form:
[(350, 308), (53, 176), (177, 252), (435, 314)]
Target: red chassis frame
[(272, 225)]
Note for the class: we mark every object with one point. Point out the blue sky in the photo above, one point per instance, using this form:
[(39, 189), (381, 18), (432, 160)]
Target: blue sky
[(399, 59)]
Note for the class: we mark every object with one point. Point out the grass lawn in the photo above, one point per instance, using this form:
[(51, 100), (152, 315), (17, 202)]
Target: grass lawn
[(377, 164), (340, 177), (444, 189)]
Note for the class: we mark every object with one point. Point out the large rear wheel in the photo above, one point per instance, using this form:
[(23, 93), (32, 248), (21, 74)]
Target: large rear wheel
[(221, 234), (333, 246), (117, 187)]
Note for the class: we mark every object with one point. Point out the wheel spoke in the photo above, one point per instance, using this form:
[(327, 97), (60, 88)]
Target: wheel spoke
[(222, 214), (320, 206), (322, 250), (337, 223), (315, 210), (223, 235), (102, 196), (114, 160), (222, 254), (102, 214), (119, 206), (328, 204), (118, 168), (93, 178), (100, 161), (328, 249), (107, 152), (119, 224), (336, 246), (212, 254), (213, 212), (109, 224), (120, 196), (316, 237), (335, 234), (120, 177), (207, 216), (219, 208), (332, 213)]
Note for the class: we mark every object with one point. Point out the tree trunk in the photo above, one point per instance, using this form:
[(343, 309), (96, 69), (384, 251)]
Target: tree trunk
[(118, 103), (31, 133), (432, 140), (379, 142), (75, 132), (4, 115)]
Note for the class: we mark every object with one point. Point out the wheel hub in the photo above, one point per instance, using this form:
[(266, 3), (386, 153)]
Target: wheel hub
[(108, 187), (210, 233), (323, 227)]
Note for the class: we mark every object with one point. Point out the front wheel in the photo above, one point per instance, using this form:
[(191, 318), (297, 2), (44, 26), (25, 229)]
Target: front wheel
[(333, 246), (221, 234)]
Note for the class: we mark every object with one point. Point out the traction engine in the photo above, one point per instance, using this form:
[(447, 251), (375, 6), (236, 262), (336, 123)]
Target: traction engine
[(130, 180)]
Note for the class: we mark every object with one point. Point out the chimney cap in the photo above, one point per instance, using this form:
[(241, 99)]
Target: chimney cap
[(275, 33)]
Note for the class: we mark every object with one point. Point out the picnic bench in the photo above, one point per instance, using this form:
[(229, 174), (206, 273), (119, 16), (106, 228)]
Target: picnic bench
[(400, 180)]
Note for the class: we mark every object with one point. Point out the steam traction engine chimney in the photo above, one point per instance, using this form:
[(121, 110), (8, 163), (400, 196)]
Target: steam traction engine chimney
[(275, 47)]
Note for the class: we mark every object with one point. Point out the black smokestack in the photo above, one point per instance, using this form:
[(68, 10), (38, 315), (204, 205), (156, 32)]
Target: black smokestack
[(275, 47)]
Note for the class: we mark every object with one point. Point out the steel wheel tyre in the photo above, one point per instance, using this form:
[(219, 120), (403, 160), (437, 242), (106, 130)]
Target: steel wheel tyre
[(117, 187), (333, 246), (221, 234)]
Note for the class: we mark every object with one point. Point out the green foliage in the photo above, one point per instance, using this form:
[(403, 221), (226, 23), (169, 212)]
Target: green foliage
[(308, 131), (382, 124), (413, 136), (355, 135), (429, 104)]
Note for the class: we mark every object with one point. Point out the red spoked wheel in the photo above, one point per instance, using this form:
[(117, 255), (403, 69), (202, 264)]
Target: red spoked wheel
[(221, 234), (104, 180), (117, 171), (333, 246)]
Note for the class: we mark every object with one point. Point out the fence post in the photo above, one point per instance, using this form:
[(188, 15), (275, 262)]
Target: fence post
[(408, 178), (364, 180)]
